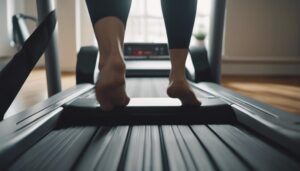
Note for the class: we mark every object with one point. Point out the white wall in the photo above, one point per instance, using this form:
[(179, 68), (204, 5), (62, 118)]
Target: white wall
[(263, 28), (7, 9), (74, 30), (30, 9), (261, 35), (87, 36), (68, 33)]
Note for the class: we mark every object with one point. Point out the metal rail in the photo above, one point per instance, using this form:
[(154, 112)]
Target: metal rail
[(44, 7)]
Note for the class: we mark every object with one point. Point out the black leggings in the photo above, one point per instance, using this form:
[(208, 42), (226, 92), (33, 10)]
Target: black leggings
[(179, 16)]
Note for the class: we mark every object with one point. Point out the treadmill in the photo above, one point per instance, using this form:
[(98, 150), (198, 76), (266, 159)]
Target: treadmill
[(69, 131)]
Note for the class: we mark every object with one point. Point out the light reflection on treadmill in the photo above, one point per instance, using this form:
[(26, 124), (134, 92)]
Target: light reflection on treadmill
[(148, 65)]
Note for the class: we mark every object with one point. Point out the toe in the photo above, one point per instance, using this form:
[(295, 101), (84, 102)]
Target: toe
[(122, 101), (188, 101)]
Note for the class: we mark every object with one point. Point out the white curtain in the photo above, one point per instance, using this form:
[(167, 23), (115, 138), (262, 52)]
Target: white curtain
[(145, 22)]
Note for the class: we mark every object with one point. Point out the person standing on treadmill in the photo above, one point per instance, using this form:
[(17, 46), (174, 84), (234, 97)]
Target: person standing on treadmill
[(109, 19)]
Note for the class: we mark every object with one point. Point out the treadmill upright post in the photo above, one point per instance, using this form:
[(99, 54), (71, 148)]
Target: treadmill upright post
[(44, 7), (216, 38)]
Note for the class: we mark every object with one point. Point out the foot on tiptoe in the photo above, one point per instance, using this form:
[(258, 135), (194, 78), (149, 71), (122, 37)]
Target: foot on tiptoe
[(110, 87), (180, 89)]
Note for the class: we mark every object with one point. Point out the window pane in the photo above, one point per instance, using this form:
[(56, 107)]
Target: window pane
[(135, 29), (137, 8), (153, 8), (156, 30), (145, 22)]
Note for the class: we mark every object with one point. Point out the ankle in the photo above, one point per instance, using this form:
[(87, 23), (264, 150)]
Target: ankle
[(114, 60), (113, 52), (177, 76), (116, 64)]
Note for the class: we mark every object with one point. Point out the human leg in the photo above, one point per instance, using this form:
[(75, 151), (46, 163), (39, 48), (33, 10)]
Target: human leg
[(109, 20), (179, 16)]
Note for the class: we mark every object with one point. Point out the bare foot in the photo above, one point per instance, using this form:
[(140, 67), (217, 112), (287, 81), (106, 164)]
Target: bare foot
[(180, 89), (110, 87)]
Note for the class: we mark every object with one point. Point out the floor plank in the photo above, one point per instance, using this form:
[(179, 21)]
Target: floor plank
[(34, 90), (281, 92)]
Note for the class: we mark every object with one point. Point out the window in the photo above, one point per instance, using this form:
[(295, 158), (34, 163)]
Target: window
[(146, 24)]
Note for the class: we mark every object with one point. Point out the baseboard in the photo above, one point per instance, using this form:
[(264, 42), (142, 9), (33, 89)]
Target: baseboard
[(261, 59), (261, 66)]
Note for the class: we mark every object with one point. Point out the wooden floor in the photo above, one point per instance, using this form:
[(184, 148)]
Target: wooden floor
[(281, 92)]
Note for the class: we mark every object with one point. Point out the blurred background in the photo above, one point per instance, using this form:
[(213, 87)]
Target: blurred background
[(261, 47)]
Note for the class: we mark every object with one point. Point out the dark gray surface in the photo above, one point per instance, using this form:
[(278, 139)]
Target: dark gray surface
[(105, 150), (44, 7), (59, 150), (277, 125), (248, 146), (216, 38), (148, 111), (23, 130), (167, 147), (145, 147), (86, 65), (4, 61)]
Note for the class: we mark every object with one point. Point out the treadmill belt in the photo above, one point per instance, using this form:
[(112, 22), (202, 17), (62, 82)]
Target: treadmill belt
[(58, 150), (145, 87), (244, 144), (152, 87), (167, 147), (154, 147)]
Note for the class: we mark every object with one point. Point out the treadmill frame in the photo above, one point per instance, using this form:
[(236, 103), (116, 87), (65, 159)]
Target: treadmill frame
[(21, 131)]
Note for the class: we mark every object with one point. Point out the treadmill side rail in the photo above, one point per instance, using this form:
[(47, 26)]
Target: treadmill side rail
[(15, 144), (21, 131), (274, 124)]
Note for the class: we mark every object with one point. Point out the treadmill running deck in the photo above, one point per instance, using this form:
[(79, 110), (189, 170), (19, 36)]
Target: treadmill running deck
[(205, 146)]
